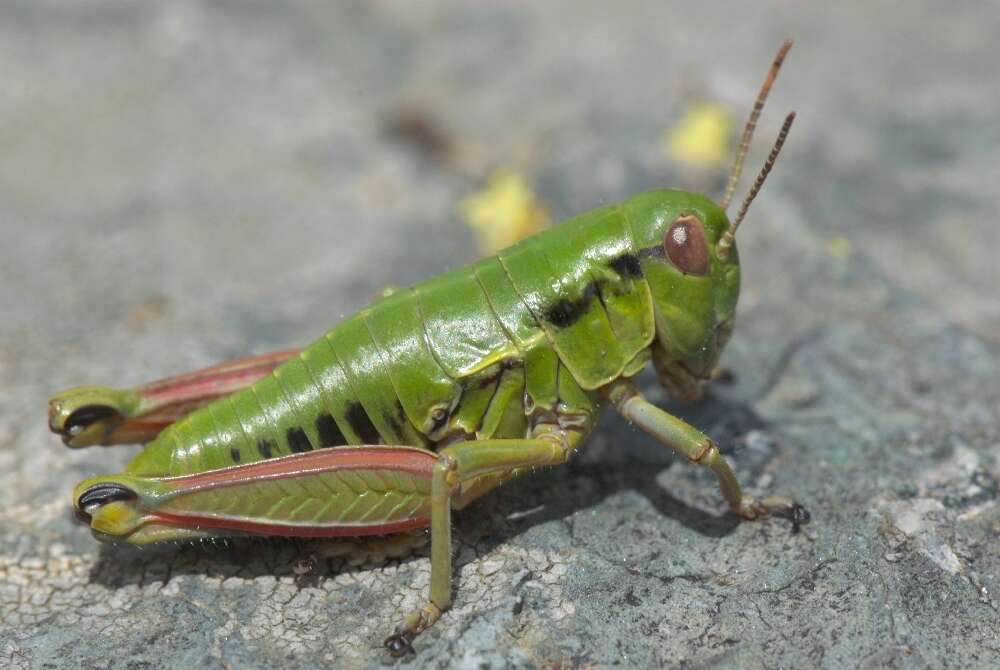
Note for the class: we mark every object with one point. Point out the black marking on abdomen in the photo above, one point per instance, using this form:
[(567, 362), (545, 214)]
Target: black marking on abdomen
[(298, 441), (398, 422), (362, 425), (626, 265), (329, 432), (235, 453), (566, 312), (266, 448)]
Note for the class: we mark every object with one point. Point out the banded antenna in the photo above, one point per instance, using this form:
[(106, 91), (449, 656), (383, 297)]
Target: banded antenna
[(726, 241), (758, 107)]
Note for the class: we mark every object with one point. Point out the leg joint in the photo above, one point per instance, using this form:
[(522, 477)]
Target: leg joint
[(705, 453), (559, 441), (447, 468), (620, 393)]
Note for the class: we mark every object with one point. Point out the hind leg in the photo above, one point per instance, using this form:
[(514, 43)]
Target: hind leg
[(89, 415)]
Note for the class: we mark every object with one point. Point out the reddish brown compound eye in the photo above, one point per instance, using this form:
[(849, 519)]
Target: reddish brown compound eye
[(685, 245)]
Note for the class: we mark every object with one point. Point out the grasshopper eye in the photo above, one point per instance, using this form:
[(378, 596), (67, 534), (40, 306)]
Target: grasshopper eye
[(685, 245)]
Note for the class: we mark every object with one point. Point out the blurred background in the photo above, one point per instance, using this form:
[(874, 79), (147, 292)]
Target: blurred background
[(185, 182)]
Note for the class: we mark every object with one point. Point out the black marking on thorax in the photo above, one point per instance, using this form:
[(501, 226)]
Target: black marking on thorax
[(655, 251), (565, 312), (626, 265), (235, 454), (362, 425)]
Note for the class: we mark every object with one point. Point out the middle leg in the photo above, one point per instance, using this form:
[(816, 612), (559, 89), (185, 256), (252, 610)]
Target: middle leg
[(460, 464)]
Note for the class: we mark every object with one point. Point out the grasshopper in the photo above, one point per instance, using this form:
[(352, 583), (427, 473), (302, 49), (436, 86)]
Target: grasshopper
[(436, 394)]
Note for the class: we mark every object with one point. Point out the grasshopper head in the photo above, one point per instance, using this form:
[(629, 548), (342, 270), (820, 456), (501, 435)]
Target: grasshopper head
[(694, 289), (688, 256)]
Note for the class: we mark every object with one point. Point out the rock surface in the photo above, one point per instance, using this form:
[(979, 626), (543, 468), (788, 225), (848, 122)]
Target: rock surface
[(184, 182)]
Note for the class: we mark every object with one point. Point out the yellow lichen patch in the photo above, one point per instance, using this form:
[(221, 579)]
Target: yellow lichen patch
[(701, 136), (503, 212), (839, 247)]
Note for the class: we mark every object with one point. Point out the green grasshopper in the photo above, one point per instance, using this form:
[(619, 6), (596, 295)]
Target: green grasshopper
[(434, 395)]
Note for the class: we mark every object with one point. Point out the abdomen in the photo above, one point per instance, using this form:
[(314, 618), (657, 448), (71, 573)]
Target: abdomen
[(409, 370)]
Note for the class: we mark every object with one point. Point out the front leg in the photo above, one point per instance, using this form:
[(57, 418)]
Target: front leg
[(698, 448)]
